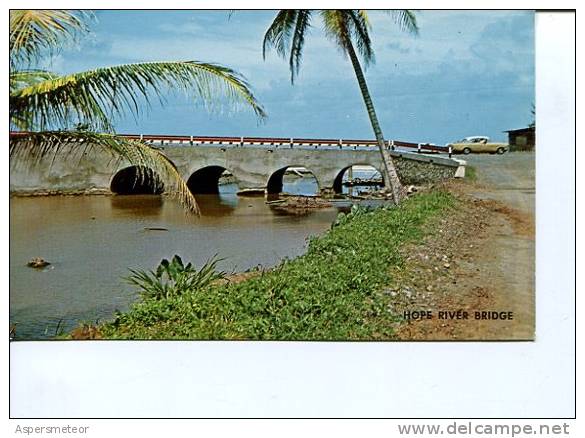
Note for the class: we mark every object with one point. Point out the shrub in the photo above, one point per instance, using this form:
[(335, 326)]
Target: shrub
[(172, 279)]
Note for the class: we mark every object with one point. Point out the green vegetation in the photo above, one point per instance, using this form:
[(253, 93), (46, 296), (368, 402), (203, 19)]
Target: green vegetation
[(173, 279), (470, 173), (333, 292)]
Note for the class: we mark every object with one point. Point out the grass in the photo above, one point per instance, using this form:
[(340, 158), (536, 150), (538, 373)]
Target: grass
[(470, 173), (333, 292)]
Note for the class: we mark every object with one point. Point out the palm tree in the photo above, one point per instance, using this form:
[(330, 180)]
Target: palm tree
[(52, 108), (346, 28)]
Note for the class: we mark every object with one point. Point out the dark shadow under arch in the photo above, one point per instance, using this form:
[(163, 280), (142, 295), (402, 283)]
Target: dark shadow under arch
[(137, 180), (338, 182), (275, 183), (205, 181)]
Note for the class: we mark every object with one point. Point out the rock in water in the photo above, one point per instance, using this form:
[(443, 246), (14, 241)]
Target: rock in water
[(38, 262)]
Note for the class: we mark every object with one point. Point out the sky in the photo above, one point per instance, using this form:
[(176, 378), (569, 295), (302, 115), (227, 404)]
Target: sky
[(466, 73)]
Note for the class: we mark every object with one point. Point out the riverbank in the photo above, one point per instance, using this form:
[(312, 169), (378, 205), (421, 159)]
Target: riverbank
[(332, 292), (481, 258), (91, 241), (457, 248)]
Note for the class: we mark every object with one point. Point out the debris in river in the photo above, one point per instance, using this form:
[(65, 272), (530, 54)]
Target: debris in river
[(251, 192), (278, 201), (38, 262), (156, 229), (307, 202), (299, 204)]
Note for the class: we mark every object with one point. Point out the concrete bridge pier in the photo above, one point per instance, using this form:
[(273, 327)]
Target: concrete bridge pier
[(255, 166)]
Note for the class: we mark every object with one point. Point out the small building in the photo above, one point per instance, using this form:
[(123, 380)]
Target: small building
[(522, 139)]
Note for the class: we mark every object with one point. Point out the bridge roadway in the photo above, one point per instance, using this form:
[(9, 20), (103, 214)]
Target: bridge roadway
[(255, 162)]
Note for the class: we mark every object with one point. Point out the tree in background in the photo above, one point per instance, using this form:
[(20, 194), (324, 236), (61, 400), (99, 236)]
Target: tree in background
[(349, 30)]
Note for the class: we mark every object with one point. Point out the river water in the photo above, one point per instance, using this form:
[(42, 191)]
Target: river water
[(91, 241)]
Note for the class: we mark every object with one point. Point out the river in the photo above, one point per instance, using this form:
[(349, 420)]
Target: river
[(91, 241)]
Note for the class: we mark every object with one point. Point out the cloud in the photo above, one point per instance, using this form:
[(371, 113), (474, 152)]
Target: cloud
[(471, 38), (467, 72), (396, 46)]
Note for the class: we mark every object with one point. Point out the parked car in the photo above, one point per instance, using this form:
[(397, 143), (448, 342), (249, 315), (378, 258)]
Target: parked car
[(478, 143)]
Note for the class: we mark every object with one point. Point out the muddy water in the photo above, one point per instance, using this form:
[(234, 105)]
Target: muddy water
[(91, 241)]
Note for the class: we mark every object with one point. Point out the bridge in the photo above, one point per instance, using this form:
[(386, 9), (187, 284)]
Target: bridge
[(254, 162)]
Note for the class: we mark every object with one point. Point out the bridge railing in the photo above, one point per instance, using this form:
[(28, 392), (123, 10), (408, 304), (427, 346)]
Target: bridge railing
[(290, 142), (192, 140)]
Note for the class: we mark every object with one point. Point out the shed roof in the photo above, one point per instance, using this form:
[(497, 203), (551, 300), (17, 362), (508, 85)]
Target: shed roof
[(530, 128)]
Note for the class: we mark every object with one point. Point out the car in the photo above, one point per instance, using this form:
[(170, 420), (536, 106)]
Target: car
[(478, 143)]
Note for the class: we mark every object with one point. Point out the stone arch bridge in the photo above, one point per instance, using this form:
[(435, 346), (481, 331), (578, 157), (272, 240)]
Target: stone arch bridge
[(256, 163)]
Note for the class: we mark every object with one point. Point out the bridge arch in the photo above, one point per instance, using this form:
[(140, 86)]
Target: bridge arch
[(136, 180), (343, 174), (206, 180), (276, 181)]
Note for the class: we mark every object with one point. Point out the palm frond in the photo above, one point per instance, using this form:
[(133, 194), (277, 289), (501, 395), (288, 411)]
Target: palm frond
[(287, 35), (34, 148), (360, 25), (94, 96), (337, 27), (303, 22), (279, 33), (34, 32), (21, 79), (25, 78), (406, 20)]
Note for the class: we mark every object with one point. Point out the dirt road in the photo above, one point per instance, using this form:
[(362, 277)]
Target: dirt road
[(481, 259), (509, 256), (508, 178)]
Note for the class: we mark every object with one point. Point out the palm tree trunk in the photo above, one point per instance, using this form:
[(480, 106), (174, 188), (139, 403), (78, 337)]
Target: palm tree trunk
[(391, 180)]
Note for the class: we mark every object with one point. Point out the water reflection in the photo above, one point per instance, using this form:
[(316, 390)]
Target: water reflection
[(299, 181), (146, 205), (219, 204), (216, 205), (91, 242)]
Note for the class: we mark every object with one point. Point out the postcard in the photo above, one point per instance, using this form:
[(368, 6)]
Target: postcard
[(334, 175)]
